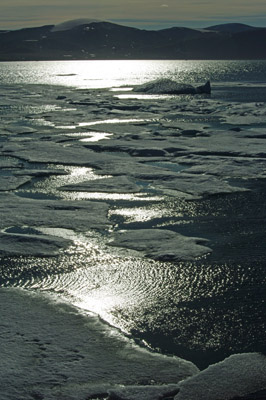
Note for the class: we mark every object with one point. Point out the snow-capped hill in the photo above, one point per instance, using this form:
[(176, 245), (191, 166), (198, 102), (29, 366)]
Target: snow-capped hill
[(73, 23)]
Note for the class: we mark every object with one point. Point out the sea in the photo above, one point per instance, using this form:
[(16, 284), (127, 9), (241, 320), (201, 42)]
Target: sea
[(113, 73), (201, 310)]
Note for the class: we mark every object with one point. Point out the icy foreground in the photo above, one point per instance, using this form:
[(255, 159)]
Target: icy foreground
[(51, 351), (101, 199), (235, 377)]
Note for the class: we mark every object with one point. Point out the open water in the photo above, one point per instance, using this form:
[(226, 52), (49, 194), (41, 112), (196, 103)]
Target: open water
[(102, 74)]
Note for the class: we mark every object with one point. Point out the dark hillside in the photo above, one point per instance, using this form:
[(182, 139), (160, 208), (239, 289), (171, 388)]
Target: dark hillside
[(105, 40)]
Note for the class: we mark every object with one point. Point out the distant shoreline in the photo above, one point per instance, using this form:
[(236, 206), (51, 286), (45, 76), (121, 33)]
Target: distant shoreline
[(81, 40)]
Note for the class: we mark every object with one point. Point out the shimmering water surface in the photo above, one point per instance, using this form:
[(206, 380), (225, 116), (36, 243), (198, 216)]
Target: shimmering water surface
[(101, 74), (202, 310)]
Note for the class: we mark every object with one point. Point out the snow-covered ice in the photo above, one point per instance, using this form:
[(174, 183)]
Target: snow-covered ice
[(119, 184), (236, 376), (31, 244), (162, 244), (12, 182), (50, 350), (143, 392), (16, 210)]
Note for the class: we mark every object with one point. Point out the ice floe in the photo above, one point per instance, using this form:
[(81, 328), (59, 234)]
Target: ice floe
[(119, 184), (51, 213), (203, 185), (236, 376), (161, 244), (12, 182), (30, 244)]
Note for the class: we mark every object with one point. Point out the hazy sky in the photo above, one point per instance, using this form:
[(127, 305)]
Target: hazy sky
[(147, 14)]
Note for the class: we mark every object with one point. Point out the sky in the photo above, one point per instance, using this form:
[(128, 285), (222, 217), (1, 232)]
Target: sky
[(144, 14)]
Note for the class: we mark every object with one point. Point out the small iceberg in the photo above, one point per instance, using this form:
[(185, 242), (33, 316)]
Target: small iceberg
[(168, 86)]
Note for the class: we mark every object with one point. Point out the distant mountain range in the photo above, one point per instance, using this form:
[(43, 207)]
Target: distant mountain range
[(91, 39)]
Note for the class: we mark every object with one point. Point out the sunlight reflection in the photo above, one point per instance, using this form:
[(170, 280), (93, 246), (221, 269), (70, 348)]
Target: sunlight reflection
[(138, 214), (112, 121), (96, 137), (90, 136), (100, 302), (60, 232), (161, 209), (121, 89), (89, 74), (145, 96), (43, 122), (65, 127), (109, 196), (73, 175)]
